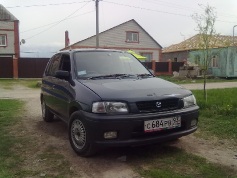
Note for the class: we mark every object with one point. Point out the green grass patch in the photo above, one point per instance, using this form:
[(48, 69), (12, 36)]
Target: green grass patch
[(218, 116), (10, 83), (195, 80), (172, 162), (9, 161), (15, 147)]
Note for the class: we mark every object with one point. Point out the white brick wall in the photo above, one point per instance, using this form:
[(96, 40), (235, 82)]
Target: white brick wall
[(116, 38), (9, 49)]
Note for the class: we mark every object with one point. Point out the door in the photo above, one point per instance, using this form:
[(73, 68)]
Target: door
[(49, 83), (64, 88)]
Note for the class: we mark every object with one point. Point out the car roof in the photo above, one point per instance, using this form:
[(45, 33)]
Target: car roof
[(90, 50)]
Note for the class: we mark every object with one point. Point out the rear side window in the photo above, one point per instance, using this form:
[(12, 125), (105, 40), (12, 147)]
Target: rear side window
[(53, 65)]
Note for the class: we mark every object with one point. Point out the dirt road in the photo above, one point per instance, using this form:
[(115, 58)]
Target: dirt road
[(112, 162), (199, 86)]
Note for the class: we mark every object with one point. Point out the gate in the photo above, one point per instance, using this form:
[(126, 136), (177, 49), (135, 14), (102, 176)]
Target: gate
[(6, 67)]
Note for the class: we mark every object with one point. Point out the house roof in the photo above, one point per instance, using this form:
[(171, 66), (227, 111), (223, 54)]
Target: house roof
[(132, 20), (5, 15), (193, 43)]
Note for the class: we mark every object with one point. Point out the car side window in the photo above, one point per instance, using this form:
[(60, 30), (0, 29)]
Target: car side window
[(65, 63), (54, 65)]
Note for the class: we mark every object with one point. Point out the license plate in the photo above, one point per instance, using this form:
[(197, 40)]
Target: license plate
[(162, 124)]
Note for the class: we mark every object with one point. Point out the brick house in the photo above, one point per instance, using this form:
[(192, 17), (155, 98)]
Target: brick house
[(9, 44), (128, 35)]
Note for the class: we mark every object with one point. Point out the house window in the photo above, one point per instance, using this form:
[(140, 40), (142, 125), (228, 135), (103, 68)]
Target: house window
[(197, 59), (132, 37), (147, 55), (214, 61), (3, 40)]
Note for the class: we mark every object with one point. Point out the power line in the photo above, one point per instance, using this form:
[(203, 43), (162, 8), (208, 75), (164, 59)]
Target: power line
[(55, 22), (43, 5), (58, 22), (142, 8), (178, 6), (159, 11), (173, 5)]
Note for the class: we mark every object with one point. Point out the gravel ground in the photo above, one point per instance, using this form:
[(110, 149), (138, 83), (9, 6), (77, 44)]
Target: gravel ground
[(199, 86), (112, 163)]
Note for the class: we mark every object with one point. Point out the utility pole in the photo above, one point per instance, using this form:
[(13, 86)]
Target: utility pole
[(234, 35), (97, 22)]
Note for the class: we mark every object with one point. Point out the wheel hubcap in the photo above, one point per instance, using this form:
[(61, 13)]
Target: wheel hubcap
[(78, 134)]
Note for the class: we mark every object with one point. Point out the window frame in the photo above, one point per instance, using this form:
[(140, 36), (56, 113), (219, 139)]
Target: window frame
[(150, 53), (214, 62), (3, 35), (132, 32), (65, 62), (49, 67)]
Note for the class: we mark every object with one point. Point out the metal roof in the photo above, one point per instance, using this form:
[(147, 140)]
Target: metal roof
[(195, 42), (5, 15)]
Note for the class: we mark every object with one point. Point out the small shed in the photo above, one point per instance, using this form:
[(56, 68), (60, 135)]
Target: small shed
[(223, 61)]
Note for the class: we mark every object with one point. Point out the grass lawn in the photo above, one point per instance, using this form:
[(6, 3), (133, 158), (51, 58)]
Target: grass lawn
[(9, 83), (9, 161), (218, 117)]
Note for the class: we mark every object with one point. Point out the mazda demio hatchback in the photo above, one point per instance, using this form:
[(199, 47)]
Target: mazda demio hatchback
[(109, 99)]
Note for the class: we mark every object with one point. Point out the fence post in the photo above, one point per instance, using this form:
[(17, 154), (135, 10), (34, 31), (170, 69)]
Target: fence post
[(153, 67), (15, 67), (170, 67)]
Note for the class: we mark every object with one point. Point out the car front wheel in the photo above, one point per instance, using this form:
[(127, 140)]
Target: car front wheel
[(78, 135)]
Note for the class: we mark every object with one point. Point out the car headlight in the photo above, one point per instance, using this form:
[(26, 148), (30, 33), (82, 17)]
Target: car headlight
[(109, 107), (189, 101)]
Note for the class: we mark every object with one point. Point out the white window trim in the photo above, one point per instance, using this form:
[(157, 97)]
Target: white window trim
[(3, 45), (132, 33)]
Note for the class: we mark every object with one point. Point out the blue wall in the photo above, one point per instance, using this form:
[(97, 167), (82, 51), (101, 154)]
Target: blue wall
[(226, 59)]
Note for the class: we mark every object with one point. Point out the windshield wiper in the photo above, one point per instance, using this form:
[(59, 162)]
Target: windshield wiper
[(144, 75), (111, 76)]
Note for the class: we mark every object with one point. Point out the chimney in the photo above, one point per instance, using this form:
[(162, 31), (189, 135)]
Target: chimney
[(67, 41)]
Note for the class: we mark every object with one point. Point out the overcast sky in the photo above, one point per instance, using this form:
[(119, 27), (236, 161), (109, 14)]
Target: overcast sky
[(44, 22)]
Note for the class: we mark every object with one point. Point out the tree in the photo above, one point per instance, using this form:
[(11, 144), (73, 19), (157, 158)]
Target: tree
[(205, 26)]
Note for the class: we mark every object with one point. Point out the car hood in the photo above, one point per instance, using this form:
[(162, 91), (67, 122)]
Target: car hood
[(135, 89)]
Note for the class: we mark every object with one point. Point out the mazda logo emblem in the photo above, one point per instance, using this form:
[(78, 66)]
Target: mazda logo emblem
[(158, 104)]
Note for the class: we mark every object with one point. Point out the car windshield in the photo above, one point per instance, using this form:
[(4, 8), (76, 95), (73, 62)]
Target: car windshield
[(108, 64)]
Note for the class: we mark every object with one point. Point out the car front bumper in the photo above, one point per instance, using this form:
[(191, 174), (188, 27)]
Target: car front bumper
[(130, 128)]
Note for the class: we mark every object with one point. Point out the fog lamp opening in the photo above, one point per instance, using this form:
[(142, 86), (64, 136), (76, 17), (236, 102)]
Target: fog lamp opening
[(110, 135), (193, 122)]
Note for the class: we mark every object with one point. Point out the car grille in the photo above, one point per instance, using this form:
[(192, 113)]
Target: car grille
[(159, 105)]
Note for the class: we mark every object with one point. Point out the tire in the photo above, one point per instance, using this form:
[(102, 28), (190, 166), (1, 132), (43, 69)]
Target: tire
[(79, 136), (47, 115)]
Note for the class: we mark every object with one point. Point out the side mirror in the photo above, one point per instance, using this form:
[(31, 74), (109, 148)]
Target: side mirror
[(62, 74)]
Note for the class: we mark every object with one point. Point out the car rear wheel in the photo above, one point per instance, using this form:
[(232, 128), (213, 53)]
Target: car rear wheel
[(78, 136), (46, 113)]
